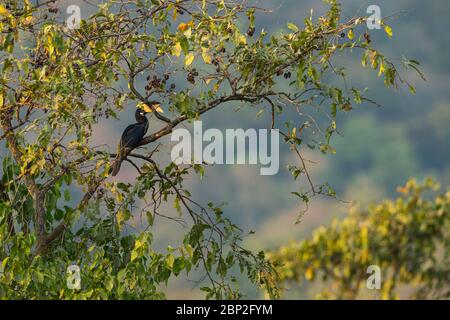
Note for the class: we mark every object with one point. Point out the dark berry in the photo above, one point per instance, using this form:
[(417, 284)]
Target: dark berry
[(191, 78)]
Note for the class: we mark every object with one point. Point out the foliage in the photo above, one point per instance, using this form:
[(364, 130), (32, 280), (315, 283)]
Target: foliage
[(57, 84), (408, 238)]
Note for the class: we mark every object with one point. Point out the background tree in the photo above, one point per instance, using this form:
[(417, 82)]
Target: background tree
[(408, 238), (57, 83)]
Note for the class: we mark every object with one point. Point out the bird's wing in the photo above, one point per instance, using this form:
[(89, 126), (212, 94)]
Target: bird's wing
[(132, 135)]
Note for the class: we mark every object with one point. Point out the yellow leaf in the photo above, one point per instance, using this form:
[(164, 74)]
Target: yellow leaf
[(382, 68), (1, 99), (175, 14), (189, 59), (120, 218), (374, 59), (138, 243), (188, 33), (206, 56), (183, 26), (42, 72), (350, 34), (309, 274), (205, 37), (333, 125), (170, 260), (189, 250), (388, 30), (28, 20), (176, 50), (133, 255), (4, 12), (242, 39)]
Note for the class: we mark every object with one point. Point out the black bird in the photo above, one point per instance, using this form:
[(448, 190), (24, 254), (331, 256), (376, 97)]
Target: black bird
[(133, 134)]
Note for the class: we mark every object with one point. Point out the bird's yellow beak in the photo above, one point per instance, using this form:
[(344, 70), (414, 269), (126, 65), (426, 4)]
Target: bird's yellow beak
[(146, 108)]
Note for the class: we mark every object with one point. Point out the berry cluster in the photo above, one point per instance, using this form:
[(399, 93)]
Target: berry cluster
[(191, 76), (39, 58), (157, 83), (287, 74), (154, 82), (215, 63)]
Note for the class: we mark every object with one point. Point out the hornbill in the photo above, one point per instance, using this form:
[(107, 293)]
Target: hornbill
[(133, 134)]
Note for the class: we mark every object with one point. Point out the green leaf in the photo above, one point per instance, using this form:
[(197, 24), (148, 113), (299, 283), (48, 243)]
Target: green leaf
[(150, 218), (109, 284), (4, 263), (66, 195), (292, 26), (39, 276), (176, 50)]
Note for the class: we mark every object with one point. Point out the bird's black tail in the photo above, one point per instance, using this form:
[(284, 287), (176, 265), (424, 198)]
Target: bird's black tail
[(117, 162)]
